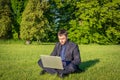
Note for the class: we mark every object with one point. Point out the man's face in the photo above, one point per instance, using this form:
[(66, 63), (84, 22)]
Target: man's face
[(62, 39)]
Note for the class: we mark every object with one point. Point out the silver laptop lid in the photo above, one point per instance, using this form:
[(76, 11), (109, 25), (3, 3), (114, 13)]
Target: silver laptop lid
[(51, 61)]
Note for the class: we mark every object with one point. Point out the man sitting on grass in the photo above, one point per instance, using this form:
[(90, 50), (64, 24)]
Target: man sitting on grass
[(69, 53)]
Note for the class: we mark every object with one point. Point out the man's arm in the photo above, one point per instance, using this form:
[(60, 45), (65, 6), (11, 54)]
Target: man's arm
[(76, 56), (54, 52)]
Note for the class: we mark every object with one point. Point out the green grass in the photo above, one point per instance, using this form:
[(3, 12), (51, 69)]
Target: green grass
[(19, 62)]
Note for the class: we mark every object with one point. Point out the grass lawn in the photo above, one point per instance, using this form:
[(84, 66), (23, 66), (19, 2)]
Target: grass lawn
[(19, 62)]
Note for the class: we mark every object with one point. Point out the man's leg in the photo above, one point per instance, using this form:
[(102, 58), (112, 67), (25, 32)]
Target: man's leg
[(67, 70), (49, 70)]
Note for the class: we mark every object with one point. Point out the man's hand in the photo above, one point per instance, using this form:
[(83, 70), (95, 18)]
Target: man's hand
[(64, 63)]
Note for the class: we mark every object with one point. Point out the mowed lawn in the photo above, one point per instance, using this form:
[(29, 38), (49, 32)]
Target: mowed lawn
[(19, 62)]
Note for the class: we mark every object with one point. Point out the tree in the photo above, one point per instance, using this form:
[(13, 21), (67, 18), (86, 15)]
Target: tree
[(5, 19), (17, 7), (112, 25), (34, 23), (98, 22), (59, 14)]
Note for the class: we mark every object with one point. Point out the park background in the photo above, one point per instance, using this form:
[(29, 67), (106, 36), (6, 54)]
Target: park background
[(87, 21), (92, 24)]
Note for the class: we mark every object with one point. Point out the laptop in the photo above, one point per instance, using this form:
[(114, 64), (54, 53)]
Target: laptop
[(51, 62)]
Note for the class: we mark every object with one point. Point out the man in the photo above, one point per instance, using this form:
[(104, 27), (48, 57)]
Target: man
[(69, 53)]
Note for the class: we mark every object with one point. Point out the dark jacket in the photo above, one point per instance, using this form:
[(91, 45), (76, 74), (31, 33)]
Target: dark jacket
[(72, 53)]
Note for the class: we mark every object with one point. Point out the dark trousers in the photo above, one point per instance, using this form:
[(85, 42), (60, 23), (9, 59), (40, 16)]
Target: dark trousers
[(67, 69)]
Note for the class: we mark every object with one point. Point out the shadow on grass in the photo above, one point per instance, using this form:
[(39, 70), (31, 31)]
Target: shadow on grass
[(87, 64)]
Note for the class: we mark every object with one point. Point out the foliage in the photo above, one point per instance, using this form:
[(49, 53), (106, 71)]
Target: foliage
[(98, 22), (5, 19), (17, 7), (34, 24), (61, 12), (87, 21)]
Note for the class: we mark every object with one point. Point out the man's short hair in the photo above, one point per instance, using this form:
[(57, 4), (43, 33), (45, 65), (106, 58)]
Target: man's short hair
[(62, 32)]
